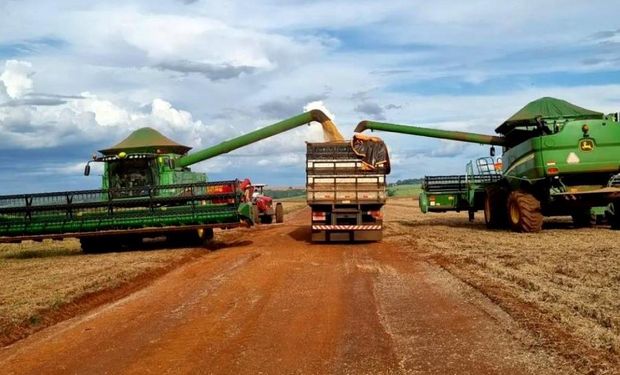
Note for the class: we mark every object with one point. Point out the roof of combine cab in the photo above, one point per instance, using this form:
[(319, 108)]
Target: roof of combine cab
[(147, 140), (546, 108)]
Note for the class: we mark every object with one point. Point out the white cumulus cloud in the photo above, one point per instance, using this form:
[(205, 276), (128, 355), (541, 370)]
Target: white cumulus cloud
[(17, 78)]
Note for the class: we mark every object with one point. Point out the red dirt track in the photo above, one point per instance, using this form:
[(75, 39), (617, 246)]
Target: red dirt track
[(272, 303)]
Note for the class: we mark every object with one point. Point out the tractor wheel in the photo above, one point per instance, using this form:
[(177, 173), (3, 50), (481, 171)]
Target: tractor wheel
[(495, 215), (279, 213), (524, 212), (255, 215), (582, 218)]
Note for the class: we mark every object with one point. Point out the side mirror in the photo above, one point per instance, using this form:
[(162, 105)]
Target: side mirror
[(87, 170), (492, 151)]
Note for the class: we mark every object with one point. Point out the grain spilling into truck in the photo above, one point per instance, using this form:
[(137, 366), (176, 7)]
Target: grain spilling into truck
[(346, 188)]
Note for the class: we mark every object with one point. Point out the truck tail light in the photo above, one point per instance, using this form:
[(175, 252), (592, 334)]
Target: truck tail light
[(318, 216), (378, 215)]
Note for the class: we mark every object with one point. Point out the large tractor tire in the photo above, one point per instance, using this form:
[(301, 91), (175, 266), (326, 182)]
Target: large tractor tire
[(524, 212), (279, 213), (495, 214), (255, 215), (583, 218)]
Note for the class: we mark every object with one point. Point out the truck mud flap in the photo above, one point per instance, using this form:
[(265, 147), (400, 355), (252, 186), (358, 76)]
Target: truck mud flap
[(338, 233)]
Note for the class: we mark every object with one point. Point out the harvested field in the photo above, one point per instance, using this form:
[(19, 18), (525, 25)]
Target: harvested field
[(562, 284), (40, 280), (438, 295)]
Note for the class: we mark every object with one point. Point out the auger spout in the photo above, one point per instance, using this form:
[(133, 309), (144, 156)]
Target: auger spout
[(255, 136), (434, 133)]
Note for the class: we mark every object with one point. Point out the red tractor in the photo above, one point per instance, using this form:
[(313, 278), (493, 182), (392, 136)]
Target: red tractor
[(263, 207)]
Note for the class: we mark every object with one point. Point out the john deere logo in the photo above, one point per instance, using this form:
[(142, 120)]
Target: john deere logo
[(586, 145)]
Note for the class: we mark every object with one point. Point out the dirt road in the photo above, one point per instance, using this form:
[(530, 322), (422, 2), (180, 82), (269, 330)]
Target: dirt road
[(271, 302)]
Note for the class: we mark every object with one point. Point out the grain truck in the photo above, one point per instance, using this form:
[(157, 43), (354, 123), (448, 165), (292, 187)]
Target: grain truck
[(346, 189)]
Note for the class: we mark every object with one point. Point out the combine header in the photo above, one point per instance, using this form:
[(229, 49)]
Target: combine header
[(147, 190), (460, 192), (558, 159)]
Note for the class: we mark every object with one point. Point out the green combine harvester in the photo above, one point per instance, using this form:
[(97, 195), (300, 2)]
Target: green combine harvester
[(558, 159), (148, 190)]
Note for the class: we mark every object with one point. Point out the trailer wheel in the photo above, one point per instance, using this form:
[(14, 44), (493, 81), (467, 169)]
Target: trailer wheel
[(279, 213), (583, 218), (614, 215), (495, 215), (524, 212)]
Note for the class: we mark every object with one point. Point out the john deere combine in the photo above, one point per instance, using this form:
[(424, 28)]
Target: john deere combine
[(558, 159), (147, 190)]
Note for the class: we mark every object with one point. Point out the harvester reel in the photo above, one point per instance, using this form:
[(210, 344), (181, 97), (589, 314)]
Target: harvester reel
[(524, 212), (495, 214)]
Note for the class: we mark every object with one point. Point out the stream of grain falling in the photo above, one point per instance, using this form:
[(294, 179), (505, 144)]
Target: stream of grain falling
[(331, 132)]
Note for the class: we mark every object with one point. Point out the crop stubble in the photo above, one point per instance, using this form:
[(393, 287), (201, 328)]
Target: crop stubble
[(562, 284)]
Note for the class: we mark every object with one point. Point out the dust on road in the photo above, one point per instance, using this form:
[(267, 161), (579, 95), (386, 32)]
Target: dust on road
[(275, 303)]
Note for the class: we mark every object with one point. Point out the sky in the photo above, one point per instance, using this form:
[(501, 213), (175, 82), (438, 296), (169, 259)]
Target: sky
[(79, 76)]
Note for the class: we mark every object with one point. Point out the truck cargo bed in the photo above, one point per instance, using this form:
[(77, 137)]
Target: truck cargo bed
[(345, 195)]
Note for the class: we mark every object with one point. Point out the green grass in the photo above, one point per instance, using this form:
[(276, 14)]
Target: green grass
[(412, 190), (288, 193)]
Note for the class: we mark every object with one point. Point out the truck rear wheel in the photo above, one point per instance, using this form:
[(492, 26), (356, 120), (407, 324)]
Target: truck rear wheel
[(524, 212), (279, 213), (495, 215)]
